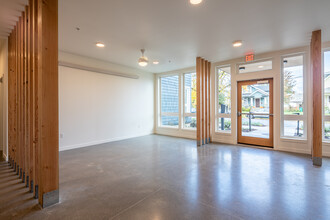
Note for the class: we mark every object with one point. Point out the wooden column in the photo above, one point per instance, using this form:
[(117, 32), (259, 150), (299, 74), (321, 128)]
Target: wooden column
[(198, 106), (203, 101), (206, 131), (48, 101), (316, 70), (35, 122), (209, 101), (33, 99), (12, 124)]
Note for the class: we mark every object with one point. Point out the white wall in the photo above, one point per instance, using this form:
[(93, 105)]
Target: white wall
[(4, 97), (98, 108)]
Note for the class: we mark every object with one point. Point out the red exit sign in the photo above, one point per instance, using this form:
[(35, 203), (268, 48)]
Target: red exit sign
[(249, 57)]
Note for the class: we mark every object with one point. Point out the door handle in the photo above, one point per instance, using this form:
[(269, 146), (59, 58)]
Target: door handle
[(239, 114)]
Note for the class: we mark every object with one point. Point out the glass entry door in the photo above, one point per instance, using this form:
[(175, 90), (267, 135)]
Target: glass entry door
[(255, 112)]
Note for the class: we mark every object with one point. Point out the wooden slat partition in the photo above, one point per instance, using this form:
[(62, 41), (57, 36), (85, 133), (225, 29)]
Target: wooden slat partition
[(203, 101), (33, 99), (316, 70)]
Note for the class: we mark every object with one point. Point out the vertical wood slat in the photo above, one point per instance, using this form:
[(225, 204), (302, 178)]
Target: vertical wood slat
[(33, 99), (198, 96), (206, 102), (19, 88), (202, 102), (48, 101), (316, 70), (12, 98), (25, 77), (209, 101), (30, 95)]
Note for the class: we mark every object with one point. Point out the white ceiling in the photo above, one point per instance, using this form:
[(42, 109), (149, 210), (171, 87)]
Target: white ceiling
[(177, 31), (10, 11)]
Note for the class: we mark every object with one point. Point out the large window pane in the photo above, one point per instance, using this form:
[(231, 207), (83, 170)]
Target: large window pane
[(224, 90), (224, 124), (172, 121), (190, 122), (255, 125), (255, 98), (170, 94), (327, 83), (293, 85), (190, 93), (327, 130), (293, 128)]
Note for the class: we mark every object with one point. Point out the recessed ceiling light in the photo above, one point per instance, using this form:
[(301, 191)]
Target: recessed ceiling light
[(195, 2), (100, 44), (260, 67), (237, 43), (155, 62)]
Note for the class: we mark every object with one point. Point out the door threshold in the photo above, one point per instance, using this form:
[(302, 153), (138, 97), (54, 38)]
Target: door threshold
[(255, 146)]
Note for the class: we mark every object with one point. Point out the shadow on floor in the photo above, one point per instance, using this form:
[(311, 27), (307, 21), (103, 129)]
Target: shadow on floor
[(16, 200)]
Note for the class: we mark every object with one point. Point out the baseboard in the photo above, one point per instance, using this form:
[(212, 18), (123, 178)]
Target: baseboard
[(70, 147), (223, 141), (294, 150), (180, 134)]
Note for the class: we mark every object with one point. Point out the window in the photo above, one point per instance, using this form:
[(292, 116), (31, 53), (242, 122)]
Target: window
[(326, 95), (224, 99), (293, 107), (169, 101), (189, 114), (255, 66)]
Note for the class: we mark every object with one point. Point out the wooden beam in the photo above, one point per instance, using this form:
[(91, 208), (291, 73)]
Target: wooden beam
[(206, 131), (48, 101), (316, 69), (209, 101), (35, 103), (30, 95), (198, 101)]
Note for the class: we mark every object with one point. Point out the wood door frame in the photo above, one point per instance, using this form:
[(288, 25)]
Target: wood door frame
[(254, 140)]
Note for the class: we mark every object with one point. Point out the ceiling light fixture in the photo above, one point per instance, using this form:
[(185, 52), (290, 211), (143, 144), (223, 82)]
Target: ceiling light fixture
[(155, 62), (100, 44), (195, 2), (143, 61), (237, 43)]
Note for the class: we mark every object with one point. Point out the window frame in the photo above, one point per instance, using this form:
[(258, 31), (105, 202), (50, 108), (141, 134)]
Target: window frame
[(303, 117), (223, 115), (161, 113), (325, 118), (184, 114)]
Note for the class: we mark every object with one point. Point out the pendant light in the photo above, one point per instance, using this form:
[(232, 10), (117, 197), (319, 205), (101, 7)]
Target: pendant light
[(143, 61)]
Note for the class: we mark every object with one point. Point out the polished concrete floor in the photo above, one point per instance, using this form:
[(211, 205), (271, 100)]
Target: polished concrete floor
[(157, 177)]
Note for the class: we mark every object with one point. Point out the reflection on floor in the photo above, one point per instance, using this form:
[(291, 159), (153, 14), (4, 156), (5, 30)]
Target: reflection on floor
[(158, 177)]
